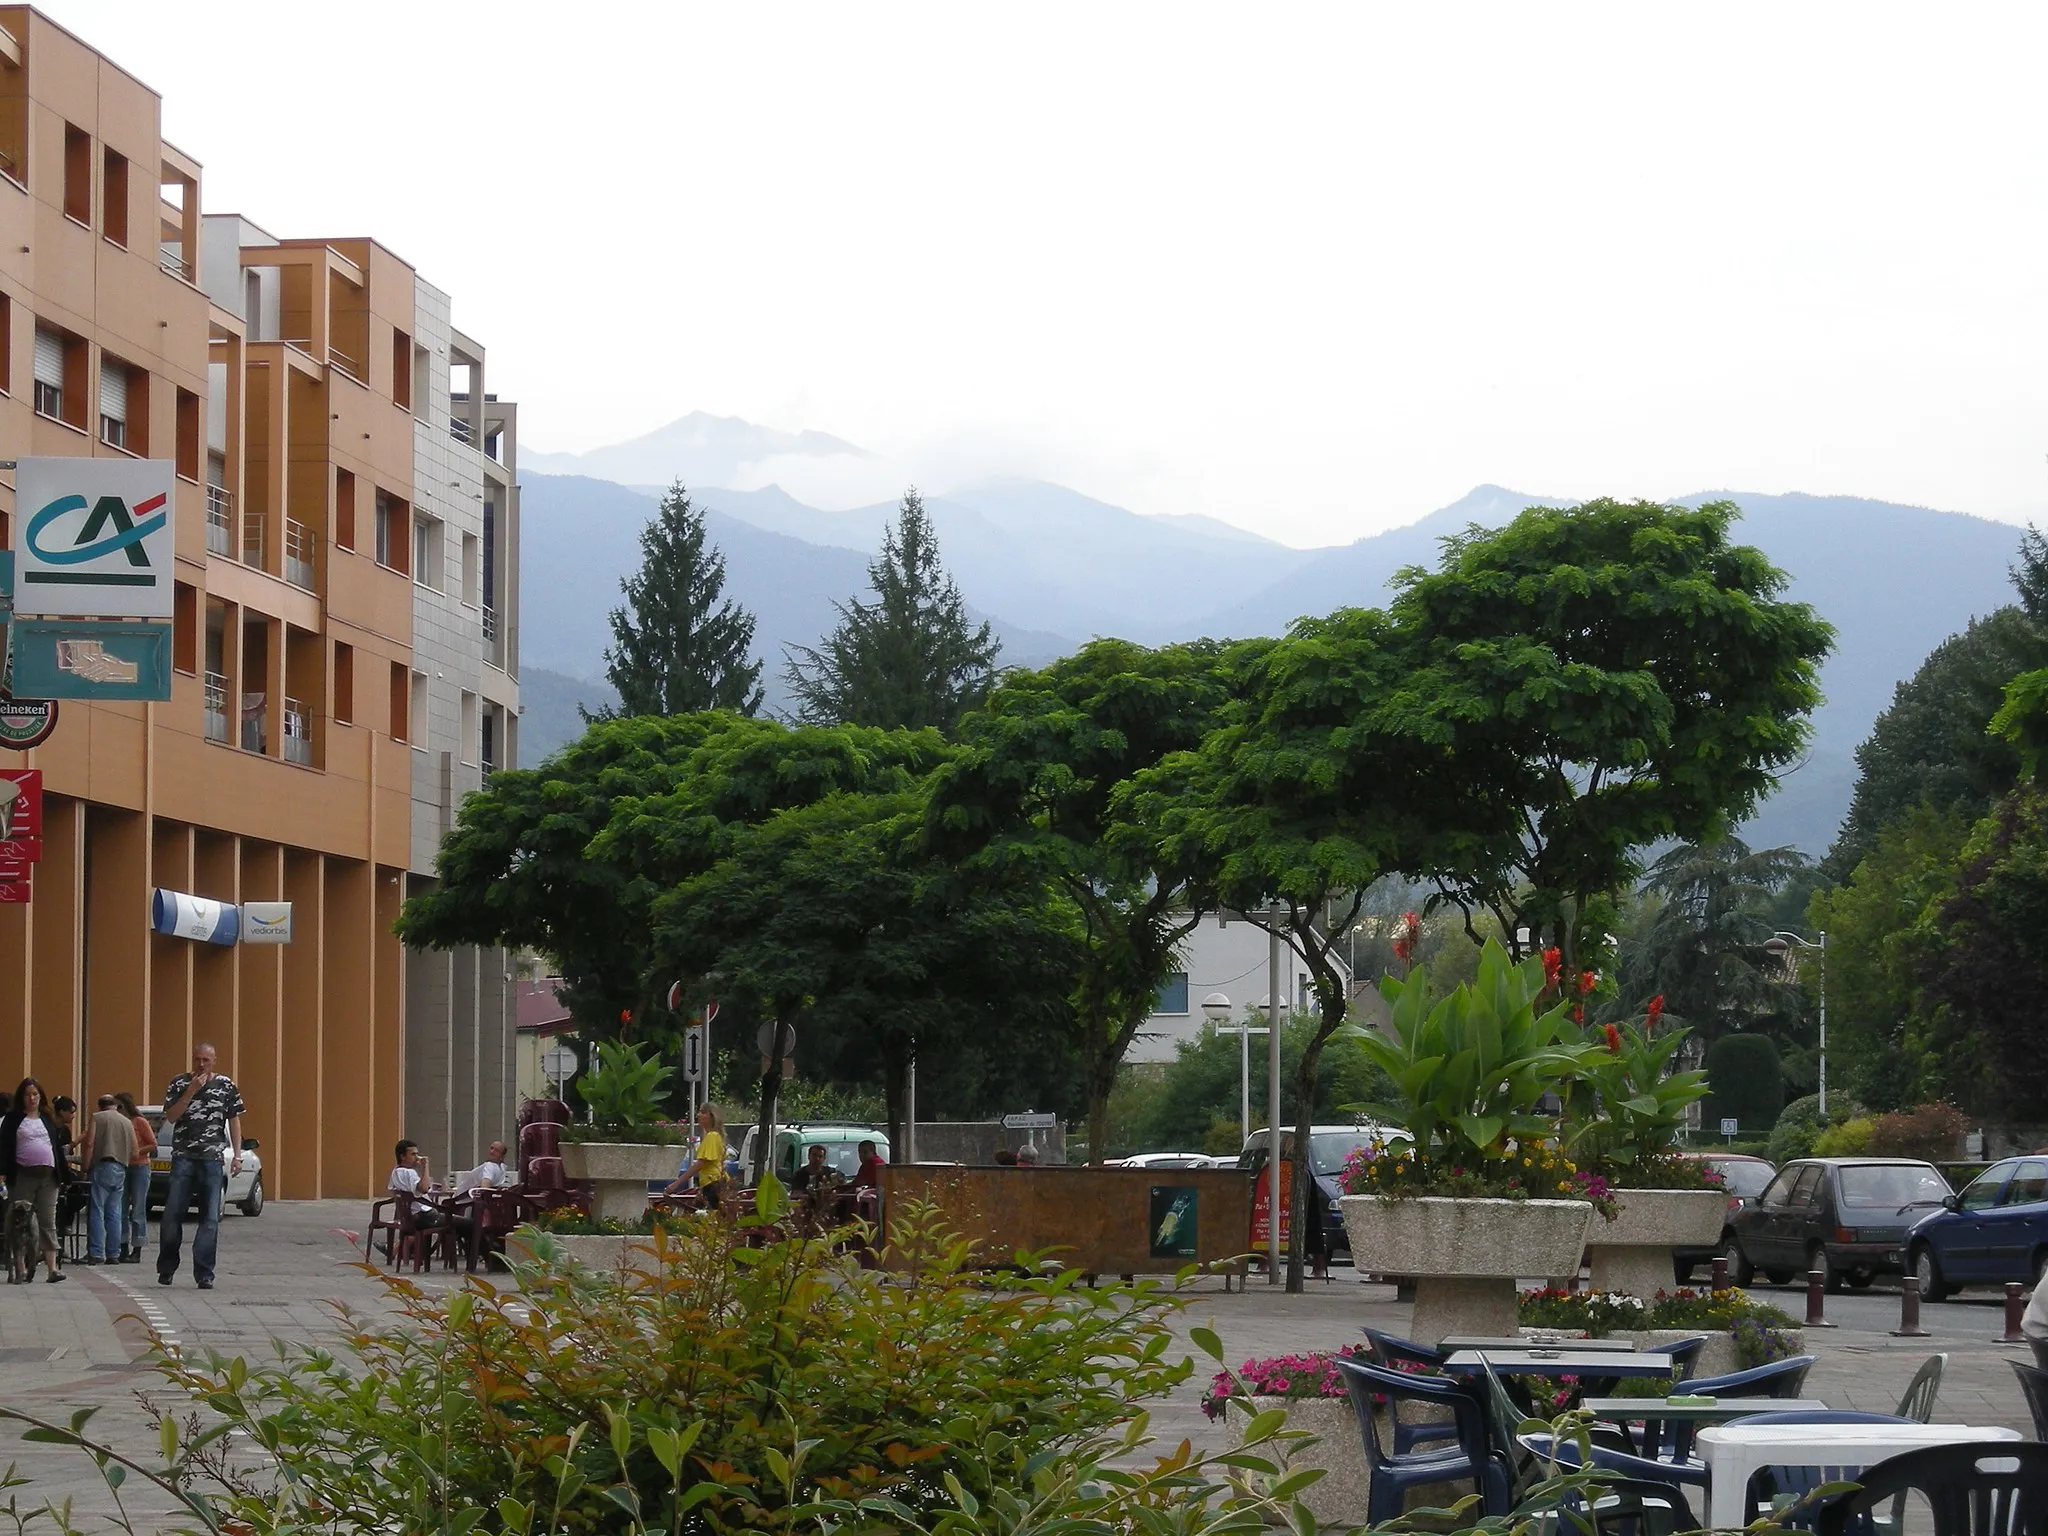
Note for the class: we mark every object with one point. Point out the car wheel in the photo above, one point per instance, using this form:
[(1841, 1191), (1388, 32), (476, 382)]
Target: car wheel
[(253, 1206), (1928, 1271), (1681, 1270), (1860, 1278), (1740, 1270), (1817, 1259)]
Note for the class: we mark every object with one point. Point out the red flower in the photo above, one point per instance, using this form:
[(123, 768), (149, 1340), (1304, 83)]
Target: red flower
[(1578, 1015), (1587, 981), (1653, 1013), (1614, 1039), (1553, 966)]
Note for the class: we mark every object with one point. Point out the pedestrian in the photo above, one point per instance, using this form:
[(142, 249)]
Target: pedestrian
[(73, 1195), (206, 1150), (109, 1149), (709, 1169), (136, 1229), (33, 1157)]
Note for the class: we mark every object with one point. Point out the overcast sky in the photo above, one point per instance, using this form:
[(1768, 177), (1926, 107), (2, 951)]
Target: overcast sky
[(1314, 271)]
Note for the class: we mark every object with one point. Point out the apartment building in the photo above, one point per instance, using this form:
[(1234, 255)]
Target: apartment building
[(292, 381)]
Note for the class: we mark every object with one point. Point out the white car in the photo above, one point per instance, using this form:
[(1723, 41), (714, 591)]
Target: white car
[(1176, 1160), (244, 1190)]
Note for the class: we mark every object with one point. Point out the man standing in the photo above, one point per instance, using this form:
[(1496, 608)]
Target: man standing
[(207, 1109), (109, 1148)]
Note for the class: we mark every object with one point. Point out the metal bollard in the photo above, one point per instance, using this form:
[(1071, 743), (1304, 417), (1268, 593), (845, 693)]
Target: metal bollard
[(1816, 1289), (1909, 1310), (1720, 1271), (2015, 1309)]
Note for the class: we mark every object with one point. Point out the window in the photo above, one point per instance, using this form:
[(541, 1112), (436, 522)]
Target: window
[(1173, 994), (394, 517), (488, 754), (344, 684), (466, 748), (113, 403), (1809, 1181), (114, 197), (49, 373), (419, 710), (401, 701), (426, 552), (344, 509), (401, 369), (471, 569), (188, 434), (77, 174), (2029, 1186), (1983, 1191), (185, 628)]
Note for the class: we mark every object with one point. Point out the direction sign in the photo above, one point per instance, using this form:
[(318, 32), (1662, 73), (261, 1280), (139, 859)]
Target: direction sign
[(1033, 1122), (22, 850), (21, 803), (693, 1054), (14, 895), (559, 1063), (95, 537), (26, 723)]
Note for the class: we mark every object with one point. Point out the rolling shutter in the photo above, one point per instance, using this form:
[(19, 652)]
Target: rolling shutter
[(49, 358), (114, 391)]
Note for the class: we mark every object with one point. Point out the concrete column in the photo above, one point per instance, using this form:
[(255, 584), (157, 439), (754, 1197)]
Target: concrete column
[(17, 983), (302, 1050), (387, 1023), (247, 1002), (117, 941), (172, 963), (349, 990)]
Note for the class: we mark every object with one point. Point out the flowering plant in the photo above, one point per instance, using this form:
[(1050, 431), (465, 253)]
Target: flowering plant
[(1283, 1376), (1625, 1106), (1758, 1328), (1536, 1172)]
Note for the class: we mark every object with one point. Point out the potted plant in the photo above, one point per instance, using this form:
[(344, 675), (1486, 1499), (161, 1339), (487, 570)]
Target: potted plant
[(1477, 1195), (1309, 1388), (624, 1146), (1623, 1112), (1741, 1331)]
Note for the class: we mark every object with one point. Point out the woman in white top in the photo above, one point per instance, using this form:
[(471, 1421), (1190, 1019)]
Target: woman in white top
[(35, 1162)]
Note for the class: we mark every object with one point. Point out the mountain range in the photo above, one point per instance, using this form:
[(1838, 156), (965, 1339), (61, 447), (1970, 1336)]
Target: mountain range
[(1050, 568)]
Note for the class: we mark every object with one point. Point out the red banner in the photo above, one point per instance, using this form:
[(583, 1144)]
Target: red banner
[(21, 807), (22, 850), (16, 895), (1262, 1208)]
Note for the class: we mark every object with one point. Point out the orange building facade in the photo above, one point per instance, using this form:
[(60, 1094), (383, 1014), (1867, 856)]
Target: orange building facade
[(280, 376)]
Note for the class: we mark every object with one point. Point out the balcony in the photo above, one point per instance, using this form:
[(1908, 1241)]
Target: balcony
[(301, 554), (346, 364), (220, 521), (217, 707), (460, 430), (255, 722), (490, 624), (298, 733), (173, 261)]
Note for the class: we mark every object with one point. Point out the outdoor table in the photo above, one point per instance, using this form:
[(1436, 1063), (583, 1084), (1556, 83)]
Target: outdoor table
[(1720, 1408), (1734, 1452), (1458, 1341), (1604, 1364)]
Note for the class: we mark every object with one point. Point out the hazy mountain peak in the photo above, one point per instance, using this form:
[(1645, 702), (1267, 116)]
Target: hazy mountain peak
[(701, 449)]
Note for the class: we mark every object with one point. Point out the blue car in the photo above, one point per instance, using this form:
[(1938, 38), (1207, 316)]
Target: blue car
[(1994, 1231)]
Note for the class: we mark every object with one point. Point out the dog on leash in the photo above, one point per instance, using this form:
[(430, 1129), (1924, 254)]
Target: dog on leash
[(21, 1241)]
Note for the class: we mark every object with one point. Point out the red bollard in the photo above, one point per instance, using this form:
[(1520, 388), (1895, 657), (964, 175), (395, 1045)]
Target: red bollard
[(1909, 1310), (1720, 1271), (1816, 1289), (2015, 1309)]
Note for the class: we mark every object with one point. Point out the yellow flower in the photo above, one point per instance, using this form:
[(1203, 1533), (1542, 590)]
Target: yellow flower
[(1563, 1184)]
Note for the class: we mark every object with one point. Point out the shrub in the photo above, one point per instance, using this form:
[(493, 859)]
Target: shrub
[(1757, 1327), (1747, 1082), (734, 1388), (1796, 1129), (1292, 1377), (1933, 1131), (1849, 1139), (623, 1091)]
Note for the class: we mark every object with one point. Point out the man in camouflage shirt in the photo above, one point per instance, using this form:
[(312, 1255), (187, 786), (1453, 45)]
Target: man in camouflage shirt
[(206, 1107)]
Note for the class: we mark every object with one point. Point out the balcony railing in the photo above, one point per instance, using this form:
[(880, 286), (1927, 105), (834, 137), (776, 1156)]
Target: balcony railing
[(216, 706), (220, 520), (173, 261), (301, 554), (298, 733), (252, 539), (255, 721), (345, 363), (460, 430), (490, 623)]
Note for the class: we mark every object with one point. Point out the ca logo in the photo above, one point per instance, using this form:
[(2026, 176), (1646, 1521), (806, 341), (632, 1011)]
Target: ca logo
[(110, 528)]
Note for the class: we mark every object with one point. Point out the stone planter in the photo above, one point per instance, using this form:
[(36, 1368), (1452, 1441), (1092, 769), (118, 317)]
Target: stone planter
[(619, 1173), (601, 1253), (1632, 1253), (1465, 1255), (1338, 1499), (1717, 1356)]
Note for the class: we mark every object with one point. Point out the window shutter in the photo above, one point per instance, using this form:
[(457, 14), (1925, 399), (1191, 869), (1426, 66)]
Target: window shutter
[(49, 358), (113, 390)]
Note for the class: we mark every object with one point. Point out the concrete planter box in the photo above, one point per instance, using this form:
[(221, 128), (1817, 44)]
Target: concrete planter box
[(1465, 1255), (600, 1253), (619, 1173), (1632, 1253), (1338, 1499), (1717, 1356)]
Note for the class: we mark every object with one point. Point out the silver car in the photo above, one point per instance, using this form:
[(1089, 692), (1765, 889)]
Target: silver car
[(244, 1189)]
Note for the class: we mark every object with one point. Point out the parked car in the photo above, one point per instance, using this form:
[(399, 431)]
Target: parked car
[(1173, 1160), (244, 1190), (841, 1143), (1845, 1216), (1745, 1178), (1996, 1230), (1328, 1147)]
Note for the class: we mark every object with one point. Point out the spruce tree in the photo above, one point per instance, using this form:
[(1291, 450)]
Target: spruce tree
[(910, 658), (675, 647)]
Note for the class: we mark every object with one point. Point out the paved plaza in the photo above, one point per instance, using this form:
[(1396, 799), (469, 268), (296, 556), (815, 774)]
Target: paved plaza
[(83, 1343)]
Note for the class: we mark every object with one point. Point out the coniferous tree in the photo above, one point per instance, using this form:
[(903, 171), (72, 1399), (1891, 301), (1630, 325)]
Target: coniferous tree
[(675, 647), (908, 659)]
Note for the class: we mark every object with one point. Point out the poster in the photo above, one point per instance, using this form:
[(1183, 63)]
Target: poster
[(1262, 1208), (1175, 1209)]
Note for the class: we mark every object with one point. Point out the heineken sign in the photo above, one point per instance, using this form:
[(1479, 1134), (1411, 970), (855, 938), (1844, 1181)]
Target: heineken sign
[(94, 538), (26, 723)]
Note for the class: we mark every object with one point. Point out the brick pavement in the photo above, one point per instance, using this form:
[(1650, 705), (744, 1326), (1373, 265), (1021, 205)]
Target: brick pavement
[(81, 1344)]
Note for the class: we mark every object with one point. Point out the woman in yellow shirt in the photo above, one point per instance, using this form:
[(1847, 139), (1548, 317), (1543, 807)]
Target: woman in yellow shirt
[(709, 1169)]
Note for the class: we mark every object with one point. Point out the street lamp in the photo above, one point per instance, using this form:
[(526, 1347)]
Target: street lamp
[(1778, 944), (1216, 1009)]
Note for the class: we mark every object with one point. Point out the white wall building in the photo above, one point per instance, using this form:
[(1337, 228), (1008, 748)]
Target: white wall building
[(1223, 953)]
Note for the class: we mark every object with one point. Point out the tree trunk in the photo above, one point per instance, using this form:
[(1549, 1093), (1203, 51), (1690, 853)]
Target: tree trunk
[(771, 1093), (892, 1100), (1102, 1067)]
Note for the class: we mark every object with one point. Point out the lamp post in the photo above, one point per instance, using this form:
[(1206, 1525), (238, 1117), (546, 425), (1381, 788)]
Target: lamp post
[(1216, 1009), (1780, 942)]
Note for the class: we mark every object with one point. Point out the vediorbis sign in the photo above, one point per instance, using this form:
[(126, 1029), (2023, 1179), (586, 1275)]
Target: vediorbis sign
[(95, 538)]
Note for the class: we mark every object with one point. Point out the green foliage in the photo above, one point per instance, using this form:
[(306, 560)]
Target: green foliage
[(623, 1090), (1799, 1125), (1933, 1132), (1604, 1313), (910, 658), (1851, 1138), (1471, 1069), (676, 649), (1200, 1087), (1627, 1107), (1747, 1083)]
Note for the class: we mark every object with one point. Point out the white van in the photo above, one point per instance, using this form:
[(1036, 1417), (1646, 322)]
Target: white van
[(792, 1144)]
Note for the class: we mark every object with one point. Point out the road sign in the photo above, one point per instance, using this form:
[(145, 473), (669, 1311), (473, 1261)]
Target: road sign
[(675, 996), (1033, 1122), (91, 659), (1729, 1126), (765, 1040), (710, 1009), (693, 1054), (95, 537), (559, 1063), (21, 803), (26, 723)]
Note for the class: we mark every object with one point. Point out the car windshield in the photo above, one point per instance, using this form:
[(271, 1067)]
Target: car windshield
[(1744, 1179), (1326, 1153), (1893, 1184)]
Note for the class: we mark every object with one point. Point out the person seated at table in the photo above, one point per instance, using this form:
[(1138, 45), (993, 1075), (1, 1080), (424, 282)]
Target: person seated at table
[(488, 1174), (870, 1175), (816, 1186), (409, 1177)]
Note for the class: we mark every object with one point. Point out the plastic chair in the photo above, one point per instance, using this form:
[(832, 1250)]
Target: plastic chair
[(1394, 1354), (1990, 1488), (1676, 1476), (1684, 1353), (1921, 1391), (1629, 1506), (2034, 1383), (1768, 1484), (1779, 1379), (383, 1220), (1393, 1473)]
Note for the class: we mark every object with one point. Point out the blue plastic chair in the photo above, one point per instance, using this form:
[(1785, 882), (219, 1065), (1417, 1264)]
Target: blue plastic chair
[(1394, 1473), (1393, 1353), (1991, 1488), (1779, 1379), (1677, 1476), (1684, 1353), (1769, 1483)]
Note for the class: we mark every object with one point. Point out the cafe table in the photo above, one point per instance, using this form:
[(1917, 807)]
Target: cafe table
[(1735, 1452), (1458, 1341), (1716, 1410), (1602, 1364)]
